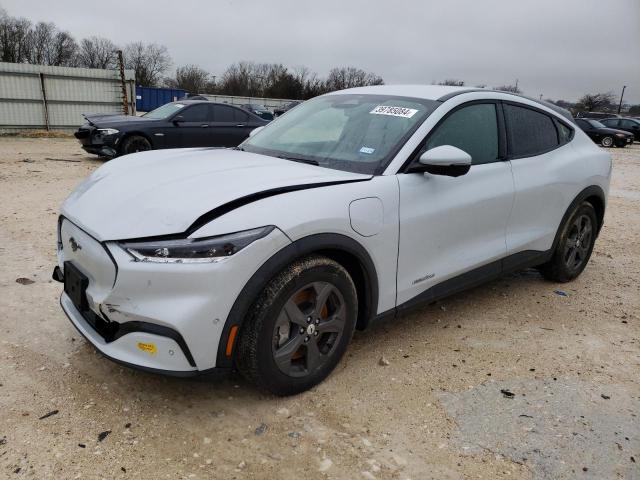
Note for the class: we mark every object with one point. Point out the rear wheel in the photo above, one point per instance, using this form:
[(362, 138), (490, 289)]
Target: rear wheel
[(135, 143), (574, 247), (606, 141), (299, 327)]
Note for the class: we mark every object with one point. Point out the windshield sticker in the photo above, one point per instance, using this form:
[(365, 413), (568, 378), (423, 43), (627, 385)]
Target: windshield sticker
[(394, 111), (367, 150)]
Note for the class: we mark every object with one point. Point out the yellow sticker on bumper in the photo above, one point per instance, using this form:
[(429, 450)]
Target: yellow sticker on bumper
[(150, 348)]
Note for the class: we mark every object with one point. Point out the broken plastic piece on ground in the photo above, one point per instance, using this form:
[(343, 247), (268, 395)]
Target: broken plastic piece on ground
[(507, 393), (561, 293), (24, 281)]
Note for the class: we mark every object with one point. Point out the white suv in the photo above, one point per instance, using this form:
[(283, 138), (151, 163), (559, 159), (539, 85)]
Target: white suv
[(352, 207)]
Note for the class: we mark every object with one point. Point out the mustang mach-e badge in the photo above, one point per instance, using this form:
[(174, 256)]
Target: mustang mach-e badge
[(422, 279), (75, 246)]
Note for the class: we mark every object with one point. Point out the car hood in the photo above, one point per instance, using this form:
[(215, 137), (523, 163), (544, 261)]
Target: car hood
[(164, 192), (110, 120)]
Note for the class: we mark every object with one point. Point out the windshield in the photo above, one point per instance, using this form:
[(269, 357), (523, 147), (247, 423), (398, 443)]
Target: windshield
[(596, 124), (356, 133), (164, 111)]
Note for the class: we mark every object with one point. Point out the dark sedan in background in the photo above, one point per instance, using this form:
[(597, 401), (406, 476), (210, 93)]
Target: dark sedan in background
[(190, 123), (630, 125), (286, 107), (607, 137), (259, 110)]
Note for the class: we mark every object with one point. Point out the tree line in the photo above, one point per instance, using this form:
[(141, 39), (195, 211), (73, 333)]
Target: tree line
[(589, 102), (44, 43)]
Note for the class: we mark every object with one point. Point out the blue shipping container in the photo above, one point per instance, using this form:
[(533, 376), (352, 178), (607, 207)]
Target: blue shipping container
[(149, 98)]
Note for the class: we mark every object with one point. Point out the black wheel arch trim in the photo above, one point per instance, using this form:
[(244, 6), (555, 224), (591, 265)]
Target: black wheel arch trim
[(589, 192), (302, 247)]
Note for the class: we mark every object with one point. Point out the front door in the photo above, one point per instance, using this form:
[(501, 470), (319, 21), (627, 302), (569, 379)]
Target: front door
[(450, 226)]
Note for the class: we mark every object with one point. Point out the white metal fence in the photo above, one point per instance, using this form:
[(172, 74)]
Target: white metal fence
[(45, 97), (270, 103)]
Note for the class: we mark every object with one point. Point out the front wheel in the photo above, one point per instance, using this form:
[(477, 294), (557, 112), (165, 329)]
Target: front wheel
[(606, 141), (133, 144), (574, 246), (299, 327)]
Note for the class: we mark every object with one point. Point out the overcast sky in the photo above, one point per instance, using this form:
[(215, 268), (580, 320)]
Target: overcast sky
[(558, 48)]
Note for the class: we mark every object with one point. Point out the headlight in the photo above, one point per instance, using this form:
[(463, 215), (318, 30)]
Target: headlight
[(107, 131), (197, 250)]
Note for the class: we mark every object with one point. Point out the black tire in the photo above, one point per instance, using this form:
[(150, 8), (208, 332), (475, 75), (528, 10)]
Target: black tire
[(607, 141), (305, 350), (574, 246), (133, 144)]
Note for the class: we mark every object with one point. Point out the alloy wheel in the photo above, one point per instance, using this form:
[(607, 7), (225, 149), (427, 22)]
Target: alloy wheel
[(578, 242), (308, 329)]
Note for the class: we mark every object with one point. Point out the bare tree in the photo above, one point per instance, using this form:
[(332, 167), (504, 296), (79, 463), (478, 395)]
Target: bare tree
[(48, 46), (508, 88), (349, 77), (63, 50), (634, 110), (96, 52), (596, 101), (191, 78), (149, 61), (452, 82), (14, 38)]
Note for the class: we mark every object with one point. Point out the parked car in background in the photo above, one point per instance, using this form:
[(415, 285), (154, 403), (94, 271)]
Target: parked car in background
[(259, 110), (607, 137), (630, 125), (286, 107), (189, 123), (595, 115), (355, 206)]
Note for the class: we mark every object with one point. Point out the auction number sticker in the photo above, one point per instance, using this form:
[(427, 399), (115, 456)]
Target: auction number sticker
[(394, 111)]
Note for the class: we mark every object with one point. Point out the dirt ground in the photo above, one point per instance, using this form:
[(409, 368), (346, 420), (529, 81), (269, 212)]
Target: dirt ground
[(570, 358)]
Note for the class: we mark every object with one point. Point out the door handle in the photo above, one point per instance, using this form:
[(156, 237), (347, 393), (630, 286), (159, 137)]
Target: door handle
[(204, 126)]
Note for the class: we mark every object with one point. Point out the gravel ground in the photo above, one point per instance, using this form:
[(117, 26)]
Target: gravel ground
[(508, 380)]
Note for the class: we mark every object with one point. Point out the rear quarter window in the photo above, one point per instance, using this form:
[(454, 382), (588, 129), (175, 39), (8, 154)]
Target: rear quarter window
[(529, 132)]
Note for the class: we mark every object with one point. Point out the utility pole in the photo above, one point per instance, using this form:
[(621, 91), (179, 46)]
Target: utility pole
[(516, 84), (621, 97), (123, 83)]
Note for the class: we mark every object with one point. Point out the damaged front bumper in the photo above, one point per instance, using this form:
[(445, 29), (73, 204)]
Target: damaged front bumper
[(161, 317), (95, 143)]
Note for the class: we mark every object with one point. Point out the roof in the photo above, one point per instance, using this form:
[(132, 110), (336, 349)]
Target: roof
[(442, 93), (429, 92)]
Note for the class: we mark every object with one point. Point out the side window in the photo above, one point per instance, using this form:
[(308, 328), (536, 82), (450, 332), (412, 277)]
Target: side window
[(195, 113), (612, 122), (626, 123), (473, 129), (529, 132), (564, 132), (223, 113), (240, 116)]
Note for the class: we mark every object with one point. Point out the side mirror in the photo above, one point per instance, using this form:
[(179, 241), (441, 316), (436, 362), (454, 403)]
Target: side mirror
[(254, 131), (178, 119), (444, 160)]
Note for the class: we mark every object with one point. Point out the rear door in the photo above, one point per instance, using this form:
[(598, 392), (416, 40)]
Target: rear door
[(230, 127), (450, 226), (542, 161)]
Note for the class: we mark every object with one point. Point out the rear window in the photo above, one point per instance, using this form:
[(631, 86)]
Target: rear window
[(529, 132)]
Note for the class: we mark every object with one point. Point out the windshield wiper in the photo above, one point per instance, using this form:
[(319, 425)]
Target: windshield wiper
[(300, 160)]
